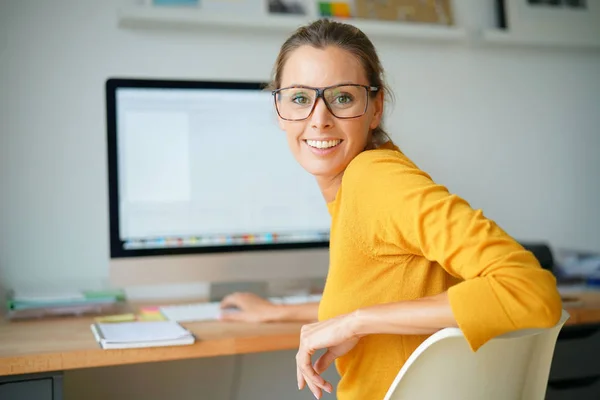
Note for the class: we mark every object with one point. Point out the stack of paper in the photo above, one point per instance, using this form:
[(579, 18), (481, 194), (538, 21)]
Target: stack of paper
[(137, 334)]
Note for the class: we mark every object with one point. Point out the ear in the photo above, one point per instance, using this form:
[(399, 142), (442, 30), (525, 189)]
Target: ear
[(377, 105)]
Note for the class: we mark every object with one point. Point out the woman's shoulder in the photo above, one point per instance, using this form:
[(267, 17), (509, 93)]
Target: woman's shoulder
[(387, 157)]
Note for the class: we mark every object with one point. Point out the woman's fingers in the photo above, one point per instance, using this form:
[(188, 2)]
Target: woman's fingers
[(300, 378), (324, 362), (230, 301), (316, 391), (233, 316), (303, 363)]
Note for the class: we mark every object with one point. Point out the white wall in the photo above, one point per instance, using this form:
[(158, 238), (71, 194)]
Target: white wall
[(513, 130)]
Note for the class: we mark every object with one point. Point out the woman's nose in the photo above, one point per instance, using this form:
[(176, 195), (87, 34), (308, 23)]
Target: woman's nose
[(321, 118)]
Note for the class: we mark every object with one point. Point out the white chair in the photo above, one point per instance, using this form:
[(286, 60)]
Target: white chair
[(513, 366)]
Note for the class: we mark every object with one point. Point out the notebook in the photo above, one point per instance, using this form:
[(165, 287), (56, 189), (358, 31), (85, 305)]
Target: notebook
[(136, 334)]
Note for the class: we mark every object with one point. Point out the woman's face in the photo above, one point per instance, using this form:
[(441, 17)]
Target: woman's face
[(323, 144)]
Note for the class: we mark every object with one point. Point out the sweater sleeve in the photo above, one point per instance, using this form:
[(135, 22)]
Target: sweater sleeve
[(503, 287)]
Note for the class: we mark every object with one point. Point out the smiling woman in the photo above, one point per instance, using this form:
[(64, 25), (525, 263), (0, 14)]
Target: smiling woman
[(407, 257)]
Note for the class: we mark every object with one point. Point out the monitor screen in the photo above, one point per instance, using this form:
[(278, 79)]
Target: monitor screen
[(197, 167)]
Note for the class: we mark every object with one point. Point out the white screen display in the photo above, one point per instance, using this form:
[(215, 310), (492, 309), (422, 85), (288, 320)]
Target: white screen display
[(210, 166)]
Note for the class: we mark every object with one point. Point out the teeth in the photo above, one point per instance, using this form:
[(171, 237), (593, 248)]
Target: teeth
[(323, 144)]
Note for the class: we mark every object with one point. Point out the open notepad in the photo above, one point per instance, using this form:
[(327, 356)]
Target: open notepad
[(137, 334)]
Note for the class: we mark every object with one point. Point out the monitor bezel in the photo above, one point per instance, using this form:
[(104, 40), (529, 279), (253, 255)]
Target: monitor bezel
[(116, 245)]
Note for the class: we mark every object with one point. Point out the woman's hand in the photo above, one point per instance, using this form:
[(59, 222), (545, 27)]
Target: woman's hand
[(250, 308), (337, 336)]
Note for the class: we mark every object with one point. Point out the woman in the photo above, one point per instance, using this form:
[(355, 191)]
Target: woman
[(407, 258)]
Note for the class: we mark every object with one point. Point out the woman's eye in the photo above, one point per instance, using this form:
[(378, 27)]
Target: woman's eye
[(299, 99), (343, 99)]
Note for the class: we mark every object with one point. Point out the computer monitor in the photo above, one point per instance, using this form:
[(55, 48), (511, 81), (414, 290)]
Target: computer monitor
[(203, 188)]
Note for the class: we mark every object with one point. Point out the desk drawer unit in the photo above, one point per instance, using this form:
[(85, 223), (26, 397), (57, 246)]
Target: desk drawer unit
[(575, 371), (574, 389), (31, 387)]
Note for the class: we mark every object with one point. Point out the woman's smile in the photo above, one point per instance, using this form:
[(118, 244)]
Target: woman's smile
[(323, 147)]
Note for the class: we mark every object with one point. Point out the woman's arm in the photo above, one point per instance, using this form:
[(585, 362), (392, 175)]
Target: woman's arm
[(299, 312), (415, 317), (248, 307)]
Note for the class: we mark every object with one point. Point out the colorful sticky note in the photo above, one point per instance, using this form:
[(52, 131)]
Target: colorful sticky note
[(325, 9), (334, 9), (116, 318), (340, 10), (151, 317), (150, 309)]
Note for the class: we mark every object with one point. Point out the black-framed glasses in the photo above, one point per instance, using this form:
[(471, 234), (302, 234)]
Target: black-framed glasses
[(343, 101)]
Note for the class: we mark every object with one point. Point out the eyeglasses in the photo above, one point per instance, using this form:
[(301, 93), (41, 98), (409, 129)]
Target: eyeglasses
[(343, 101)]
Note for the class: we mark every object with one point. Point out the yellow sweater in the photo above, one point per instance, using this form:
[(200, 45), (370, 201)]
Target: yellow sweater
[(396, 235)]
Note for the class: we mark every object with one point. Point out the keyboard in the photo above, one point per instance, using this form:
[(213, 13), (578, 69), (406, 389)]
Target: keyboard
[(210, 311), (191, 312)]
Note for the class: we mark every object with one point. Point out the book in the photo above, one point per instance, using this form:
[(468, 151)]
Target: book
[(137, 334)]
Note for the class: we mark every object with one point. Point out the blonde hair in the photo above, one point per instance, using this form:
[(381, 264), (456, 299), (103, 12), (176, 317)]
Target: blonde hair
[(323, 33)]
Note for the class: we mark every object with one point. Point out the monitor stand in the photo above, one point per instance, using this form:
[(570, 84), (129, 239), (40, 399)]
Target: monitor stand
[(218, 290)]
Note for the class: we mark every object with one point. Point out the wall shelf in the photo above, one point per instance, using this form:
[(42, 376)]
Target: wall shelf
[(160, 17), (151, 17), (502, 37)]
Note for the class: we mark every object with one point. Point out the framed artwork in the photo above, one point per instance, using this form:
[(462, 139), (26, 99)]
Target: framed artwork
[(294, 7), (419, 11), (574, 22)]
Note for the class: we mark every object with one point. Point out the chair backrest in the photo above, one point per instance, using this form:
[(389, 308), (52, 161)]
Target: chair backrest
[(511, 366)]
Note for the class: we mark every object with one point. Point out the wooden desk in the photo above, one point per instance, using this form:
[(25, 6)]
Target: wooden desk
[(59, 345), (587, 312)]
